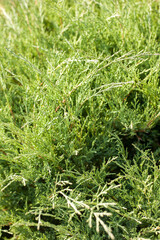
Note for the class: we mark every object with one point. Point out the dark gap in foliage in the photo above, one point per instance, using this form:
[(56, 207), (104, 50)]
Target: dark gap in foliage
[(50, 219), (5, 235), (136, 95), (49, 26), (128, 142), (148, 139), (50, 232)]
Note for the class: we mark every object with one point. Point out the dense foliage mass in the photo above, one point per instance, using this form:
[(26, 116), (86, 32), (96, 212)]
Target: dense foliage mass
[(80, 119)]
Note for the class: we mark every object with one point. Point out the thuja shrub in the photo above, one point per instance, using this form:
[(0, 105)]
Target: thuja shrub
[(79, 119)]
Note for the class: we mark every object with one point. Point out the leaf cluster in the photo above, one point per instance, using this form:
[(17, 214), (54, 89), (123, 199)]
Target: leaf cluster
[(79, 119)]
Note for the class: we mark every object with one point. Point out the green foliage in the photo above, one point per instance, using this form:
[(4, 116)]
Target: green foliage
[(79, 119)]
